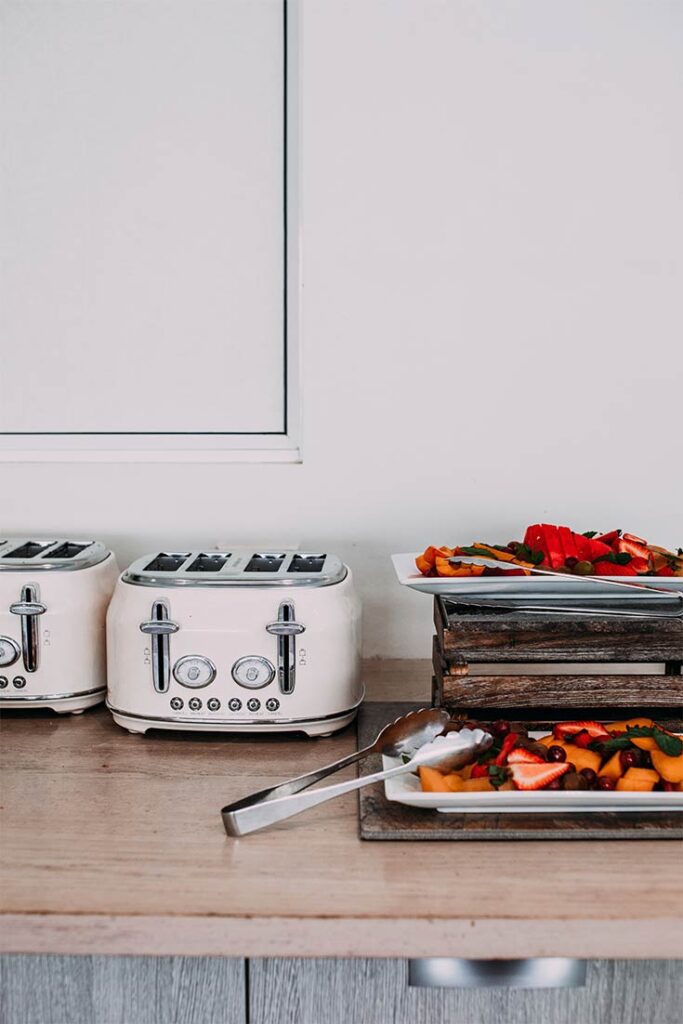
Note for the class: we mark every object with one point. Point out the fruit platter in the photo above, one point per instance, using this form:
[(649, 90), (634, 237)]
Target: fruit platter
[(550, 561), (631, 765)]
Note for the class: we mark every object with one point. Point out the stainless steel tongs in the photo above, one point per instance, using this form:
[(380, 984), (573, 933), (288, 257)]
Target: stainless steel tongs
[(494, 563)]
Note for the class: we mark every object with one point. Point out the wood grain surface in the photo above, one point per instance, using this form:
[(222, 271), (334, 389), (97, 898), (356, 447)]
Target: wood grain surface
[(122, 990), (377, 992), (113, 843)]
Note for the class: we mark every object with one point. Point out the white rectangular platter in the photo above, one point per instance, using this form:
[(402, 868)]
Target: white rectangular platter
[(530, 587), (405, 789)]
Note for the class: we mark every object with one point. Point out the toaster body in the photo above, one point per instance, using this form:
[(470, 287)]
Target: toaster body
[(234, 642), (53, 602)]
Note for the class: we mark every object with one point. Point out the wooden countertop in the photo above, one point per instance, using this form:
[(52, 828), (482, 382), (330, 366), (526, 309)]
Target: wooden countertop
[(113, 843)]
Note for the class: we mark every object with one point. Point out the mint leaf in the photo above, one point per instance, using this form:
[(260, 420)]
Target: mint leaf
[(610, 746), (672, 746)]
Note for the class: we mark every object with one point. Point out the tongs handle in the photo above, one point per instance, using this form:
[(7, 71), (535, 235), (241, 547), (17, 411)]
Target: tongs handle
[(495, 563), (300, 782), (239, 819)]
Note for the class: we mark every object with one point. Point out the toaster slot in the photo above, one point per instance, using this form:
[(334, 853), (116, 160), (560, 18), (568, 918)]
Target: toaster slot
[(307, 563), (29, 550), (159, 627), (67, 550), (209, 563), (29, 609), (265, 562), (166, 563)]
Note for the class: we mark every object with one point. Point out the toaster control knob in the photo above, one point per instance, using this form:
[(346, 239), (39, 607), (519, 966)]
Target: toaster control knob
[(3, 682), (176, 703), (235, 704), (213, 704), (272, 704), (194, 671), (194, 704), (19, 682), (253, 672), (254, 704), (9, 651)]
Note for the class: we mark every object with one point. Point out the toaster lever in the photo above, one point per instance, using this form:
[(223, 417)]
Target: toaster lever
[(286, 629), (160, 627), (29, 608)]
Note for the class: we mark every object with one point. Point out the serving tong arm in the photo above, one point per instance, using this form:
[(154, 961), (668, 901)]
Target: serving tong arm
[(494, 563)]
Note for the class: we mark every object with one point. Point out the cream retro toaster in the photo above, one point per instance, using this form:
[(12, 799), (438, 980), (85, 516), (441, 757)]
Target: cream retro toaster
[(236, 641), (53, 601)]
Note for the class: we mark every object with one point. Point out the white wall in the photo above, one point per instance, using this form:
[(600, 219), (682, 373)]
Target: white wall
[(492, 221)]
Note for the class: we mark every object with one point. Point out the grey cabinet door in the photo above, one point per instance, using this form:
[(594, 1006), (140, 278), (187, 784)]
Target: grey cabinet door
[(121, 990), (377, 992)]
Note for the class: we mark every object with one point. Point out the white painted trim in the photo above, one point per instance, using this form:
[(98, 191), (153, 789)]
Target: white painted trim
[(283, 448)]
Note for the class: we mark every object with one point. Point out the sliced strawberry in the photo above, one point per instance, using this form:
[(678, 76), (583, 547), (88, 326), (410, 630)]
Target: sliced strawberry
[(598, 550), (582, 739), (480, 771), (536, 776), (640, 564), (509, 743), (567, 730), (613, 569), (609, 538), (521, 756), (636, 540), (633, 547), (665, 571)]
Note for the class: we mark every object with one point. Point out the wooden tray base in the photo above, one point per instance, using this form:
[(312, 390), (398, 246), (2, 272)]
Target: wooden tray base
[(382, 819)]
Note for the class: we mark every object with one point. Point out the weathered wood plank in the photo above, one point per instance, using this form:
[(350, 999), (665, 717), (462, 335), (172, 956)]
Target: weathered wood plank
[(377, 992), (524, 638), (122, 990), (569, 691)]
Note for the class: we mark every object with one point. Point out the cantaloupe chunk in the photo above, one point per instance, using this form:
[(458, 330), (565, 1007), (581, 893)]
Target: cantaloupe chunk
[(466, 772), (432, 780), (612, 769), (638, 780), (455, 782), (670, 768), (582, 758), (645, 742), (623, 726), (477, 786), (547, 741)]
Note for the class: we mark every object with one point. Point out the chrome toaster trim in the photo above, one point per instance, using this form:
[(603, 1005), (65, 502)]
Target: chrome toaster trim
[(37, 698), (91, 552), (217, 720), (233, 572)]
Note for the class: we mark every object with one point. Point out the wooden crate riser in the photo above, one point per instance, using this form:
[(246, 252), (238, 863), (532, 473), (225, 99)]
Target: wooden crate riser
[(455, 685), (539, 638)]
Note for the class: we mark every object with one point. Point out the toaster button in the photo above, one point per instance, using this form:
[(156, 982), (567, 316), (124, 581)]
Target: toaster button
[(235, 704), (194, 671), (19, 682), (194, 704), (253, 672), (3, 682), (177, 703), (9, 651), (272, 704), (254, 704), (213, 704)]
